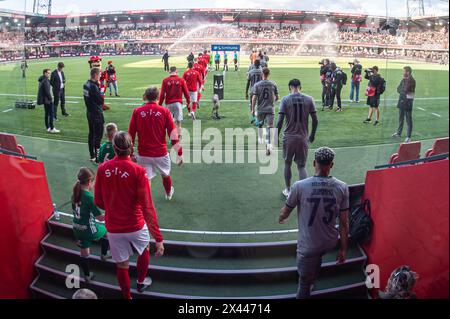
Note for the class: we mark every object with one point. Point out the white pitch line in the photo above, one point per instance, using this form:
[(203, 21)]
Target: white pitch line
[(435, 114), (136, 99), (8, 110), (421, 109)]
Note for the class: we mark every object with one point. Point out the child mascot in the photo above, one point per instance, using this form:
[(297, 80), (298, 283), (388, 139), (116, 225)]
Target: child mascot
[(96, 62)]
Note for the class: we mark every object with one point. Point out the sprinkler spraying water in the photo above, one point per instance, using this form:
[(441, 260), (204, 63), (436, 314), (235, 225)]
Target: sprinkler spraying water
[(228, 27), (323, 33)]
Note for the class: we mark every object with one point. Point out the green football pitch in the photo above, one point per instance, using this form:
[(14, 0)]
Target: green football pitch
[(219, 197)]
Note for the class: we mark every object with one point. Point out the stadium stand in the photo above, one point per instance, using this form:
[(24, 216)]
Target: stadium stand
[(440, 146), (124, 34), (406, 152)]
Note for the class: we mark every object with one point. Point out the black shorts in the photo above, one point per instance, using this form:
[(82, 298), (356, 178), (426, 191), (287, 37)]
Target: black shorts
[(373, 101)]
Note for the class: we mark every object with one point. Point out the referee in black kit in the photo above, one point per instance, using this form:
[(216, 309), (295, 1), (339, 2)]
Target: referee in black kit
[(94, 112)]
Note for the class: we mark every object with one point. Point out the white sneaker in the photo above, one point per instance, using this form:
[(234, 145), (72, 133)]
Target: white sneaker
[(48, 130), (54, 131), (395, 135), (142, 286), (286, 192), (169, 197), (269, 149), (192, 115), (407, 140)]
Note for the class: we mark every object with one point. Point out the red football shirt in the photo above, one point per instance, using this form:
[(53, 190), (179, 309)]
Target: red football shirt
[(193, 80), (172, 90), (151, 123), (199, 68), (122, 189)]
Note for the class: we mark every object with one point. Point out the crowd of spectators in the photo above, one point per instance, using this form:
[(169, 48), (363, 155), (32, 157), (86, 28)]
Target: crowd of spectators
[(227, 31), (344, 42)]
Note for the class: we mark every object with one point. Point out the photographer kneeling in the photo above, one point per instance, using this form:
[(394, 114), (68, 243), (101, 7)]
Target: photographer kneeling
[(376, 87)]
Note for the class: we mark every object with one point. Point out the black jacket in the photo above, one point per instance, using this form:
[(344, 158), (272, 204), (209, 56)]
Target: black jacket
[(165, 57), (44, 93), (93, 98), (55, 81)]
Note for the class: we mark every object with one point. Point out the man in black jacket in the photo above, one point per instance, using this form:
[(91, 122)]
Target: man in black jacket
[(337, 83), (58, 82), (407, 90), (94, 112), (45, 98), (165, 58)]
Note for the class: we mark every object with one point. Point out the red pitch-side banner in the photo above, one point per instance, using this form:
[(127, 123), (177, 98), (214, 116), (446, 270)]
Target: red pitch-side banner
[(25, 205), (410, 210)]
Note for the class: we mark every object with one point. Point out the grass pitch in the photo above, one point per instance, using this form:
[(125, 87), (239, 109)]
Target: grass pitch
[(223, 197)]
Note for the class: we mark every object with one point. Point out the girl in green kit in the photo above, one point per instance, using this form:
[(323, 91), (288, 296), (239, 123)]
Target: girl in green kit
[(85, 225)]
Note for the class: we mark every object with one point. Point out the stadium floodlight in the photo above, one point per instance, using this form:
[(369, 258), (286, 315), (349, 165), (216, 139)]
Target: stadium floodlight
[(28, 21), (142, 18), (42, 6), (85, 20), (115, 18), (57, 21), (415, 8)]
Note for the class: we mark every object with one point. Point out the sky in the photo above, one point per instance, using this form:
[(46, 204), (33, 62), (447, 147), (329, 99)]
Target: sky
[(395, 7)]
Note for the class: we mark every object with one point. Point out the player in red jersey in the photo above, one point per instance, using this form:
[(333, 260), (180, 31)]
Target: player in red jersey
[(204, 64), (172, 90), (123, 191), (151, 123), (194, 83), (199, 68)]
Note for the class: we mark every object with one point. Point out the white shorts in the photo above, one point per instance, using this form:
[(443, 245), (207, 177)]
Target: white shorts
[(177, 111), (155, 165), (121, 244), (193, 96)]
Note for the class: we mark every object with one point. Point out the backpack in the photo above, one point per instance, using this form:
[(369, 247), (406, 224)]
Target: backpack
[(361, 224), (382, 86), (344, 78)]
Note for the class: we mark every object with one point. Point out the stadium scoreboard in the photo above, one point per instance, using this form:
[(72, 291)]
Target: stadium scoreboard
[(226, 47)]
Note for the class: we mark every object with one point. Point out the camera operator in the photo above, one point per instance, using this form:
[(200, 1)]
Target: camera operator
[(356, 72), (325, 78), (376, 87), (337, 82)]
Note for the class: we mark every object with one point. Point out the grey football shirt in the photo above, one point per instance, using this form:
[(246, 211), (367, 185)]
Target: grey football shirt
[(319, 201), (254, 75), (265, 92), (297, 107)]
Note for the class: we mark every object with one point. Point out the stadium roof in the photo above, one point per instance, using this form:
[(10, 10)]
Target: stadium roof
[(225, 15)]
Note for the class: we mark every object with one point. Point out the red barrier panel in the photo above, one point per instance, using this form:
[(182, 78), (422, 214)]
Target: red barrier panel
[(410, 210), (25, 205)]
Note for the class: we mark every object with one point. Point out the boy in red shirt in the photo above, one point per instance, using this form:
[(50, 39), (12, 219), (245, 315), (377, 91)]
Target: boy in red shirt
[(123, 191), (194, 83), (151, 123), (172, 90)]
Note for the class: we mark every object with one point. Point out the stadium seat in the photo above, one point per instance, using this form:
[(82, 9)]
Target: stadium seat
[(8, 142), (406, 152), (440, 146)]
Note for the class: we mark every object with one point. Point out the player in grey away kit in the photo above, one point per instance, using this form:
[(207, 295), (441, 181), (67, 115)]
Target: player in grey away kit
[(319, 201), (265, 94), (254, 75), (296, 108)]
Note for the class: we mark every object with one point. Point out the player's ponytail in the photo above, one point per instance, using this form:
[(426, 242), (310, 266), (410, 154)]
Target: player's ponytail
[(85, 175)]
